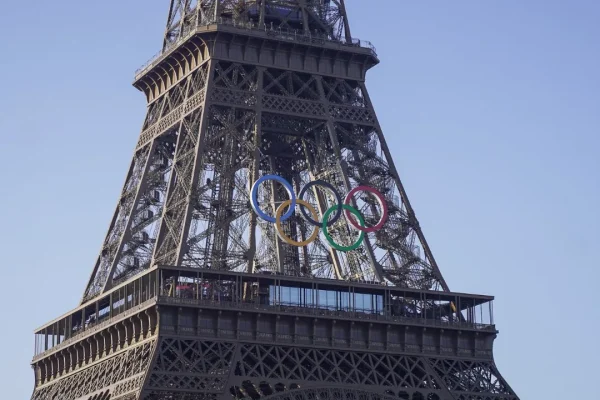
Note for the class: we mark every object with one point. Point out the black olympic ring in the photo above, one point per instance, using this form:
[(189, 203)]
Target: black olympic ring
[(338, 200)]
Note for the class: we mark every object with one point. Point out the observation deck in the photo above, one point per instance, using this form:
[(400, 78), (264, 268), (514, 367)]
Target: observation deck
[(251, 43), (277, 308), (267, 32)]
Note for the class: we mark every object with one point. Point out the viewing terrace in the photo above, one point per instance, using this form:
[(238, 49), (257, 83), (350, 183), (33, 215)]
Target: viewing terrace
[(269, 293)]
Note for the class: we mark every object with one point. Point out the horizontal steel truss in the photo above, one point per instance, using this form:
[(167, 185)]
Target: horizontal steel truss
[(206, 140), (194, 368), (338, 330)]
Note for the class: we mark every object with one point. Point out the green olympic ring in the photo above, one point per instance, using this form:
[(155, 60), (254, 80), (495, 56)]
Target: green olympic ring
[(330, 240)]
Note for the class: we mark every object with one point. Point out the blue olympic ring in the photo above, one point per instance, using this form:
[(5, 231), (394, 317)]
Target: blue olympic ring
[(288, 188)]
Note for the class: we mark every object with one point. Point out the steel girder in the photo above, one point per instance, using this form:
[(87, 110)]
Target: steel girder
[(176, 367)]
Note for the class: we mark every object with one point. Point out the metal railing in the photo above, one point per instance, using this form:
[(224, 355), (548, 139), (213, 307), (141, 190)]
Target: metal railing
[(283, 34), (95, 327)]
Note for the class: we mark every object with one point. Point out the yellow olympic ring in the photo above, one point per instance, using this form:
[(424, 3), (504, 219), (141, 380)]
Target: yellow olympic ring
[(280, 232)]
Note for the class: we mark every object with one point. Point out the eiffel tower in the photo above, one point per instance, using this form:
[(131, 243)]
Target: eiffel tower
[(204, 289)]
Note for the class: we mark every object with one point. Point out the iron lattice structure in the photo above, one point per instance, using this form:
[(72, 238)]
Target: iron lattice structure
[(194, 297)]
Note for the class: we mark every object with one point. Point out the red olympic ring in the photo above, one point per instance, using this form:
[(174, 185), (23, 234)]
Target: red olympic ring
[(382, 204)]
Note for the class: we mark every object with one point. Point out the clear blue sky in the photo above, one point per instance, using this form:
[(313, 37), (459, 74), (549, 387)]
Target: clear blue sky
[(491, 108)]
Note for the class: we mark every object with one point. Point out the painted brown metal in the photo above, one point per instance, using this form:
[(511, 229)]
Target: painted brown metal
[(242, 89)]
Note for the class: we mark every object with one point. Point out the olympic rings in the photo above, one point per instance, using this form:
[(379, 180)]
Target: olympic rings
[(351, 213), (254, 197)]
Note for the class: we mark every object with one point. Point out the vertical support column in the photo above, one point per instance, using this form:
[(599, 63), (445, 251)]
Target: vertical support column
[(135, 330), (295, 332), (88, 350), (177, 213), (219, 313), (172, 12), (332, 333), (303, 235), (305, 24), (93, 348), (153, 321), (387, 337), (38, 374), (144, 326), (217, 10), (177, 7), (69, 327), (99, 345), (199, 322), (52, 368), (225, 176), (158, 283), (79, 354), (65, 329), (73, 357), (47, 370), (104, 337), (178, 323), (275, 199), (238, 325), (43, 372), (261, 20), (322, 206), (256, 162), (125, 297), (141, 288), (61, 363), (346, 23), (121, 335), (110, 306), (113, 339), (377, 269)]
